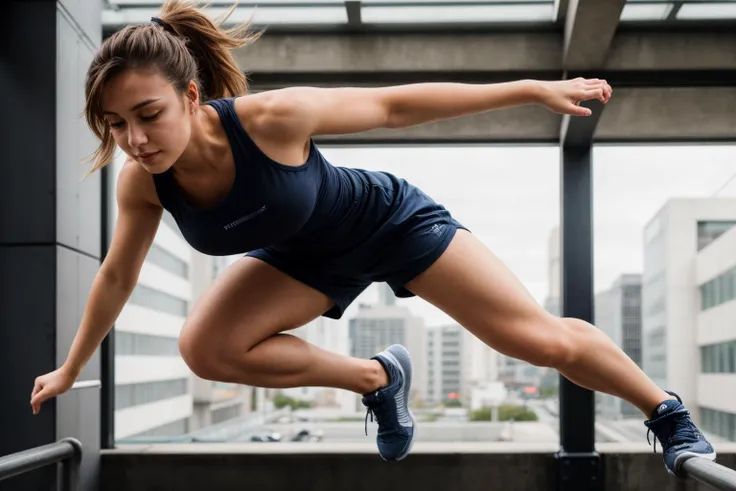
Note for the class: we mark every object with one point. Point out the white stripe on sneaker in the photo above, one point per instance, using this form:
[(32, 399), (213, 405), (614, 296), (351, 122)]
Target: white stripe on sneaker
[(402, 413)]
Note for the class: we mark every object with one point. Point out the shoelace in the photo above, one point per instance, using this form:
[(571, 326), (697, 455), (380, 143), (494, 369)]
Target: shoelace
[(376, 413), (372, 415), (682, 428)]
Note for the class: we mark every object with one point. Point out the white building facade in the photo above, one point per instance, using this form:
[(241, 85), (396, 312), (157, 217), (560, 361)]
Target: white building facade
[(716, 335), (679, 233), (156, 395)]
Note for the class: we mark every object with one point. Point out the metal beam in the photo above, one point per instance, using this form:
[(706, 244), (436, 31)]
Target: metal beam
[(589, 29), (560, 10), (672, 49), (393, 52), (669, 114), (353, 11), (107, 348), (675, 10), (578, 131), (579, 466), (519, 51)]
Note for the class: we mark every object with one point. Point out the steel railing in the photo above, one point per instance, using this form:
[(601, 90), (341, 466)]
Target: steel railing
[(710, 473), (68, 452)]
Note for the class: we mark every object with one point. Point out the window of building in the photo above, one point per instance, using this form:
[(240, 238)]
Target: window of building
[(709, 231), (166, 260), (130, 395), (226, 413), (129, 343), (719, 290), (718, 423), (718, 358), (158, 300)]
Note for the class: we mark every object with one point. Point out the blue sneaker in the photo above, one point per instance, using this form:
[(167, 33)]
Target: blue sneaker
[(388, 405), (680, 438)]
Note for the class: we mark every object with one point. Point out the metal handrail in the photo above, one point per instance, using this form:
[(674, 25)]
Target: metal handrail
[(86, 384), (68, 452), (711, 474)]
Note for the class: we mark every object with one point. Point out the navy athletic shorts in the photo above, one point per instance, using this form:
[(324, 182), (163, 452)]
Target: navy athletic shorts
[(408, 232)]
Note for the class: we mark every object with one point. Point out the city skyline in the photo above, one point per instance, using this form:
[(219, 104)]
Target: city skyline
[(630, 184)]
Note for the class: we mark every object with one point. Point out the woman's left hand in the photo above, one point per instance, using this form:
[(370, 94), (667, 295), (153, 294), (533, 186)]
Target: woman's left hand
[(564, 96)]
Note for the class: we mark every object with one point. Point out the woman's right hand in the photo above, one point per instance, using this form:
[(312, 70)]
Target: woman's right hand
[(50, 385)]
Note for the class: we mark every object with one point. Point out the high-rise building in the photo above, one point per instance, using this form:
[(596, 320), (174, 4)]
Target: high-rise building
[(156, 395), (671, 302), (445, 368), (375, 327), (214, 402), (517, 373), (331, 335), (153, 389), (457, 362), (716, 328), (618, 314)]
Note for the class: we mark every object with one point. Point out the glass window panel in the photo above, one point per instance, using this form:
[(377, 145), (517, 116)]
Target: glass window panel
[(704, 359), (229, 3), (711, 11), (130, 395), (130, 343), (158, 300), (261, 15), (635, 11), (462, 13)]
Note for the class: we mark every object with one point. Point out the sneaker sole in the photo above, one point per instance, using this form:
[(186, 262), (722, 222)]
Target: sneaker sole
[(407, 388), (687, 455)]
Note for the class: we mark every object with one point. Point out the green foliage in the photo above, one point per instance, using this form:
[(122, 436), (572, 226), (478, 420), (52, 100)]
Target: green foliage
[(281, 401), (506, 412)]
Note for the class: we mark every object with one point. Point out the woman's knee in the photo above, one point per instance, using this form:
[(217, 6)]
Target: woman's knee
[(562, 346), (203, 357)]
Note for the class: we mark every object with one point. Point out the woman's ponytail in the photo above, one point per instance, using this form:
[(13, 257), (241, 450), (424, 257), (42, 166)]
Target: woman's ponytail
[(211, 46)]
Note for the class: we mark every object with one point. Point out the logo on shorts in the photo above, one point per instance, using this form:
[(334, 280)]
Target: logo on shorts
[(436, 229)]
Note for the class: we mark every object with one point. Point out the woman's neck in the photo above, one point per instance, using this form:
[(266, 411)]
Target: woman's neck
[(205, 148)]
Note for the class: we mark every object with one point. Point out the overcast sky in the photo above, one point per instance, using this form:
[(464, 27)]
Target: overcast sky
[(509, 197)]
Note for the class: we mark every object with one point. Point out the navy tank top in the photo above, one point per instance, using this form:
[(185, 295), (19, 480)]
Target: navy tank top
[(316, 209)]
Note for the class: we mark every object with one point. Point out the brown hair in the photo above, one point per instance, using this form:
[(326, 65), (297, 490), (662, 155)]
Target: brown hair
[(184, 44)]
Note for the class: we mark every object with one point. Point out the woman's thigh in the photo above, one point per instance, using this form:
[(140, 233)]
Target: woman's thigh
[(248, 303)]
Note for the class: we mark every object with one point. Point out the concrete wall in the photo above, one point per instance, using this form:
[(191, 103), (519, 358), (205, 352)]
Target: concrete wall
[(637, 112), (227, 468), (49, 225)]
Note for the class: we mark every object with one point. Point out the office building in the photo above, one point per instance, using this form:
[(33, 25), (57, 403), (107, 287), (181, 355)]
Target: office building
[(156, 395), (716, 329), (674, 239), (375, 327), (331, 335), (457, 362), (618, 314)]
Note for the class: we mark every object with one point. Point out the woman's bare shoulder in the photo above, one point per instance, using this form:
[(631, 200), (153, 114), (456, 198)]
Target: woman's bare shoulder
[(136, 186)]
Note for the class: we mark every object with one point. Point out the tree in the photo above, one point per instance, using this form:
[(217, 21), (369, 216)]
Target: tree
[(281, 401), (506, 412)]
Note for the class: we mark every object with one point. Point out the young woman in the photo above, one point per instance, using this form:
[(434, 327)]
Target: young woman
[(240, 174)]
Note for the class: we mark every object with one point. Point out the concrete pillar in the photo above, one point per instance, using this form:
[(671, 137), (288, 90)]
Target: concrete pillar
[(49, 225)]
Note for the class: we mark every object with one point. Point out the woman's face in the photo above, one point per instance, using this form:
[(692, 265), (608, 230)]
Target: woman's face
[(149, 120)]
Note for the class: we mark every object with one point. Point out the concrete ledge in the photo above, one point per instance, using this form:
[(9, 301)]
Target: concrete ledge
[(325, 467), (459, 52)]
